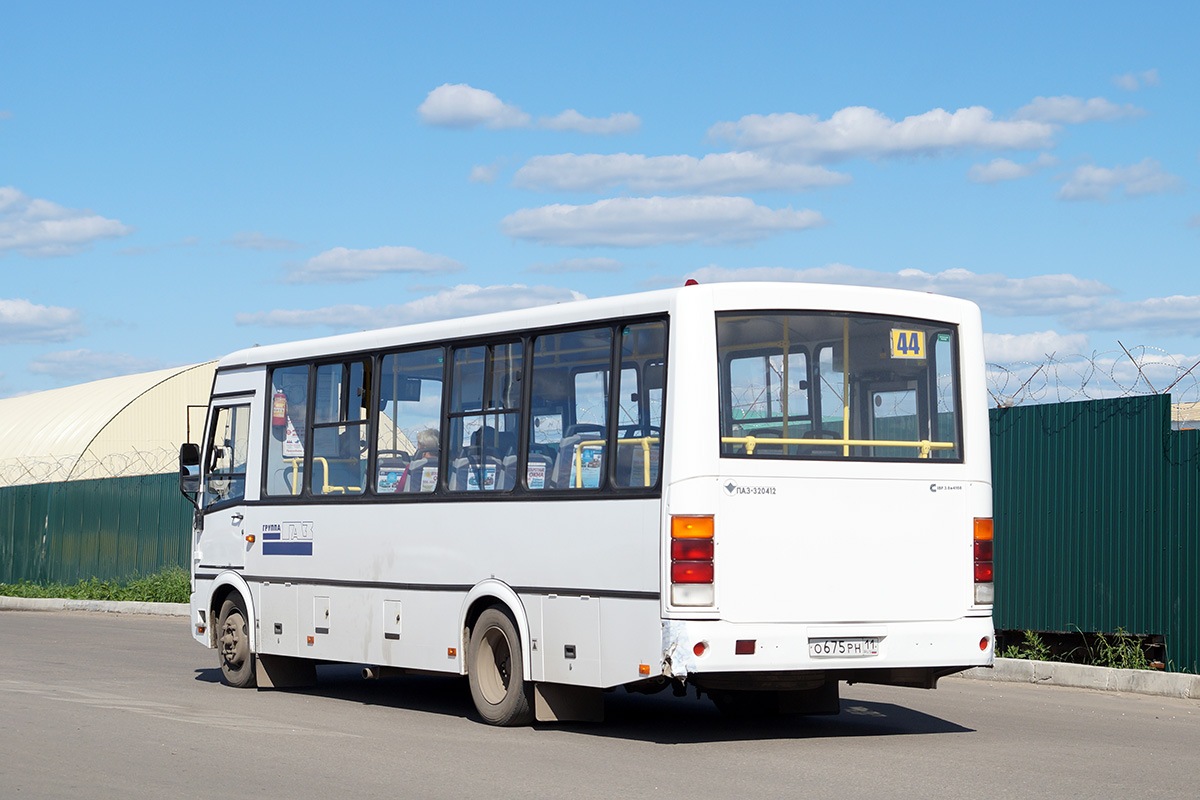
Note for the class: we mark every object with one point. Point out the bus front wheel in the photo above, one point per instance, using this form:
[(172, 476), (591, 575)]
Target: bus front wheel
[(233, 644), (495, 670)]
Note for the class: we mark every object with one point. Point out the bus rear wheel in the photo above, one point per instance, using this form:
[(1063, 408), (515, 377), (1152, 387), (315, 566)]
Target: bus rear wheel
[(495, 670), (233, 644)]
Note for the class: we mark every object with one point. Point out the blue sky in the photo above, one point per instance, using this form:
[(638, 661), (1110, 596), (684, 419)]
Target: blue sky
[(180, 182)]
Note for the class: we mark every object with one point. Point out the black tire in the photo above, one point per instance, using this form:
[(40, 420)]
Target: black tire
[(233, 644), (495, 670)]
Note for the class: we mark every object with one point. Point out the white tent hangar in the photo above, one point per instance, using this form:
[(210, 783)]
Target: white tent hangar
[(116, 427)]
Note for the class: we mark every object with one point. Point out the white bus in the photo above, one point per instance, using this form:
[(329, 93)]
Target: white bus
[(755, 489)]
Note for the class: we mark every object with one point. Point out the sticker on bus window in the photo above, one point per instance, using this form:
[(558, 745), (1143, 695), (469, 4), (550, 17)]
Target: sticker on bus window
[(428, 479), (292, 446), (907, 344), (535, 475), (489, 478), (591, 459), (388, 478)]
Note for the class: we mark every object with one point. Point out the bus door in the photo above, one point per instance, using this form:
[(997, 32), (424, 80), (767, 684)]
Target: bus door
[(222, 542)]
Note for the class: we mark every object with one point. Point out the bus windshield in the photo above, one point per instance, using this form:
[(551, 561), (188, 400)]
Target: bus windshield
[(823, 385)]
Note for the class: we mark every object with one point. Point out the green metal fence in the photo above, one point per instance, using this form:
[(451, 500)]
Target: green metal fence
[(1096, 528), (109, 529)]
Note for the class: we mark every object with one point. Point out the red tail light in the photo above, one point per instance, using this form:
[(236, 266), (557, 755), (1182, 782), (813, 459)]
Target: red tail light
[(693, 556), (691, 549), (985, 588), (691, 572)]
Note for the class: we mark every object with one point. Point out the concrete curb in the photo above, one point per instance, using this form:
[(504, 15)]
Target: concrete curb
[(110, 606), (1081, 676)]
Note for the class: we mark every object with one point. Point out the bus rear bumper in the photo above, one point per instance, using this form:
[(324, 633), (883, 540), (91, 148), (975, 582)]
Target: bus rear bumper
[(904, 653)]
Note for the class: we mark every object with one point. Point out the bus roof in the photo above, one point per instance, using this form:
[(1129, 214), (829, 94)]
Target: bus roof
[(720, 296)]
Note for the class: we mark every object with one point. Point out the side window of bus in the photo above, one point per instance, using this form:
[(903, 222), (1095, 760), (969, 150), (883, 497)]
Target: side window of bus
[(570, 407), (408, 429), (341, 399), (640, 404), (485, 412), (288, 431), (945, 384), (833, 399), (225, 470)]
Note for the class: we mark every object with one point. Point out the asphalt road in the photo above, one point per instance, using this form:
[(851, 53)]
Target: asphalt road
[(116, 706)]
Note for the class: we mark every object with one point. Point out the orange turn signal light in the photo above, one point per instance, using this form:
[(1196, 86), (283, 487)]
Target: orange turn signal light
[(250, 538), (983, 529), (691, 527)]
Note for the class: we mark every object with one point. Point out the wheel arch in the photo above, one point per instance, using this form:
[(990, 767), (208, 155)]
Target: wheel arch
[(483, 595), (223, 586)]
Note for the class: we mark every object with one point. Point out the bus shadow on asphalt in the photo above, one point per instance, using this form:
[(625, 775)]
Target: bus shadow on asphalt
[(660, 718), (212, 675)]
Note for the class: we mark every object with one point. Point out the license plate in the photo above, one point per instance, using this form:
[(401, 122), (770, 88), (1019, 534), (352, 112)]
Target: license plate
[(857, 647)]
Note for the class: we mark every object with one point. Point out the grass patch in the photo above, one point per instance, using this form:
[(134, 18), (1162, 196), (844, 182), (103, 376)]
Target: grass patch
[(1032, 648), (172, 585), (1120, 651)]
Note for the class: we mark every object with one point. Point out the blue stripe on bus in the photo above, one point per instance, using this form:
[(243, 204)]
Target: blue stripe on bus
[(269, 536), (287, 548)]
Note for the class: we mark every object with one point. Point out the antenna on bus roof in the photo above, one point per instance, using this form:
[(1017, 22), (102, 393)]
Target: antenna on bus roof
[(691, 282)]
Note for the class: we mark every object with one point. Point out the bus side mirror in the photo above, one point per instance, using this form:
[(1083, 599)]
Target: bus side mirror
[(189, 470)]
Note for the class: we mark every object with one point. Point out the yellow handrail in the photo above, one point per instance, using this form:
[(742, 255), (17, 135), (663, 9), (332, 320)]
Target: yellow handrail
[(645, 442), (326, 488), (925, 445)]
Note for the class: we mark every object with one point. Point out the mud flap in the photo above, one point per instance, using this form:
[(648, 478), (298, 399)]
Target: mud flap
[(284, 672), (557, 702), (823, 699)]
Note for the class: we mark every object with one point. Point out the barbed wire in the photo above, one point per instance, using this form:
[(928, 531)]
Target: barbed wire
[(52, 468), (1125, 372)]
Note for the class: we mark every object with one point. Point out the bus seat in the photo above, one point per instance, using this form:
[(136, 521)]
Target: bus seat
[(542, 465), (416, 474), (461, 470), (564, 464)]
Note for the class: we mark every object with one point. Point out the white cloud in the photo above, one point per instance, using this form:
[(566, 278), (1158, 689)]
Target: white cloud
[(651, 221), (23, 321), (858, 131), (1132, 81), (716, 172), (1175, 314), (1005, 348), (77, 366), (1075, 110), (1002, 169), (461, 106), (254, 240), (571, 120), (1089, 182), (342, 265), (37, 228), (577, 265), (484, 173), (995, 293), (459, 301)]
